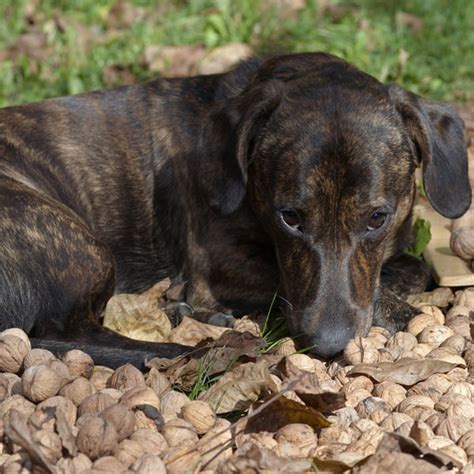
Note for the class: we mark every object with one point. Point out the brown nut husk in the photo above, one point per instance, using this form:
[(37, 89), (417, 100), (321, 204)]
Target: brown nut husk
[(37, 357), (200, 414), (77, 390), (97, 438), (13, 350), (39, 383), (126, 377), (79, 363), (122, 418)]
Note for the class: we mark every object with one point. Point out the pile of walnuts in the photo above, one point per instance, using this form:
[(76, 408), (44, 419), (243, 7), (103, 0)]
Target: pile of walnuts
[(65, 415)]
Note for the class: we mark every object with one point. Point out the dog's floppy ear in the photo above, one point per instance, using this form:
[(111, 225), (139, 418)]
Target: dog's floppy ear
[(438, 135), (226, 142)]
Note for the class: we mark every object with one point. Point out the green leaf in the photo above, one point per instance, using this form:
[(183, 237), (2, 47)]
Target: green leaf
[(422, 231)]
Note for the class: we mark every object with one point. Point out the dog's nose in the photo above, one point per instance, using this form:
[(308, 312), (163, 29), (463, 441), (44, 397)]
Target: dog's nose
[(330, 341)]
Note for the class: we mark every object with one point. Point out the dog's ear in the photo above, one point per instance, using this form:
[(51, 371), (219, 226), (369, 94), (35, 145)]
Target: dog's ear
[(226, 143), (437, 133)]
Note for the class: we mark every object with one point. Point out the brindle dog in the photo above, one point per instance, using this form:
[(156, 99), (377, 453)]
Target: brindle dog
[(295, 172)]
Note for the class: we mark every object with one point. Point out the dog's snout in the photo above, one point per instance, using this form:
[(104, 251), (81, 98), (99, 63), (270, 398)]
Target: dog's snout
[(331, 340)]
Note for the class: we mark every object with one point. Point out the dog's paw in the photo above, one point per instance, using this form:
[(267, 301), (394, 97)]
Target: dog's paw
[(391, 312)]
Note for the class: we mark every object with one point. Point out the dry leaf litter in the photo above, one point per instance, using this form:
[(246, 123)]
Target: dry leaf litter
[(400, 403)]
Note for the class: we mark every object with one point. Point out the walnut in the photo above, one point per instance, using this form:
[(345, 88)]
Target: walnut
[(128, 451), (358, 382), (100, 376), (300, 435), (200, 414), (395, 420), (368, 442), (421, 433), (39, 383), (13, 350), (391, 392), (61, 370), (286, 347), (96, 438), (422, 349), (456, 453), (435, 334), (179, 433), (361, 351), (344, 416), (214, 447), (421, 321), (439, 442), (10, 384), (108, 464), (446, 354), (433, 311), (18, 402), (456, 342), (405, 340), (112, 392), (462, 388), (182, 459), (453, 427), (143, 421), (37, 357), (149, 464), (79, 363), (302, 361), (49, 443), (77, 464), (77, 390), (447, 400), (95, 403), (426, 389), (420, 413), (415, 401), (122, 418), (353, 398), (158, 382), (140, 396), (461, 326), (374, 408), (469, 357), (61, 403), (125, 377), (151, 441), (466, 442), (171, 404), (465, 298), (337, 434)]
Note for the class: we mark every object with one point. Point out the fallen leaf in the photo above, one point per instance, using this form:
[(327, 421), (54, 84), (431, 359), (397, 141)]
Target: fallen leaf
[(397, 453), (65, 432), (441, 297), (257, 459), (323, 395), (174, 61), (403, 371), (138, 317), (191, 332), (279, 413), (240, 387), (17, 430), (224, 58), (158, 290)]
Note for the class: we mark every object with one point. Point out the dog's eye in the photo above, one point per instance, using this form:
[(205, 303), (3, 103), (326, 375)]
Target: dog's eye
[(376, 220), (291, 219)]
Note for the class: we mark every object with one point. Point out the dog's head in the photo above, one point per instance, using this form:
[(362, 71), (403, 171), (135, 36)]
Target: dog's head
[(325, 156)]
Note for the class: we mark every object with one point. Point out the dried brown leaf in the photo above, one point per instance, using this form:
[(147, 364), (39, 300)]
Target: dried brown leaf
[(138, 317), (403, 371), (191, 332), (240, 387), (397, 453)]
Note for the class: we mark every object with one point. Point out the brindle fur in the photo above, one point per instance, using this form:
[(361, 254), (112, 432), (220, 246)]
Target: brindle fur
[(114, 190)]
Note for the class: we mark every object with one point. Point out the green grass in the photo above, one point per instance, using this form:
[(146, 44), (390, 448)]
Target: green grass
[(438, 63)]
